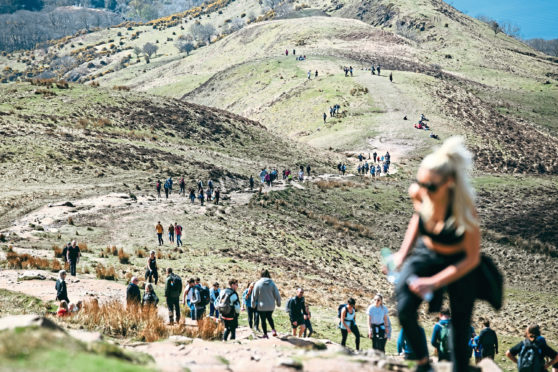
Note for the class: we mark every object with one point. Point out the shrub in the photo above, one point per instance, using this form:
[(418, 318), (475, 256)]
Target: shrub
[(123, 257), (83, 247), (141, 253), (70, 219), (107, 273), (57, 251)]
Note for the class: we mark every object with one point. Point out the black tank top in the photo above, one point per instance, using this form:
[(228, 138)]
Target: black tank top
[(448, 235), (153, 264)]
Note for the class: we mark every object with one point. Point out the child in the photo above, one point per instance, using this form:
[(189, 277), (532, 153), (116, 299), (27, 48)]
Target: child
[(63, 309), (307, 323)]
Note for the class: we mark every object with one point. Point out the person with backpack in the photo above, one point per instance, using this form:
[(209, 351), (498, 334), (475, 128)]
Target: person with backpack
[(200, 299), (201, 196), (61, 288), (214, 300), (149, 299), (530, 353), (178, 231), (169, 181), (159, 229), (171, 233), (192, 195), (477, 349), (264, 298), (296, 308), (441, 336), (253, 317), (73, 257), (308, 169), (378, 324), (488, 341), (158, 188), (229, 307), (251, 183), (133, 294), (173, 289), (166, 187), (151, 268), (347, 324)]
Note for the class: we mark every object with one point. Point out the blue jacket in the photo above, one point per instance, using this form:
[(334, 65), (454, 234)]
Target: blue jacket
[(436, 333), (214, 295), (403, 344)]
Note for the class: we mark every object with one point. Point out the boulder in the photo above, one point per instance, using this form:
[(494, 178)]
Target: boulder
[(181, 340), (304, 343), (488, 365), (29, 320), (30, 275)]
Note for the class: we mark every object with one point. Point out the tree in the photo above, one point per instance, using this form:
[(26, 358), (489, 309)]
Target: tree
[(184, 46), (137, 50), (149, 49), (237, 24)]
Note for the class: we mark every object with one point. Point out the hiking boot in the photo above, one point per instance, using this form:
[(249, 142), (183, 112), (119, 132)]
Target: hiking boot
[(275, 333)]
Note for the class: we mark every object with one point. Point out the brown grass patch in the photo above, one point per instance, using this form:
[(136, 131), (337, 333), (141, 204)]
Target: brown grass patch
[(123, 257), (330, 184), (57, 251), (107, 273), (121, 88), (26, 261), (83, 247), (140, 253)]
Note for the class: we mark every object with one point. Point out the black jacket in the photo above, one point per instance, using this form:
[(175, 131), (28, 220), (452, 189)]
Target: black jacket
[(61, 291), (149, 298), (489, 342), (297, 308), (133, 295)]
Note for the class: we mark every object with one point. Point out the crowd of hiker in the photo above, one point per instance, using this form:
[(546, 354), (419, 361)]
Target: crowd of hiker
[(423, 124), (197, 192)]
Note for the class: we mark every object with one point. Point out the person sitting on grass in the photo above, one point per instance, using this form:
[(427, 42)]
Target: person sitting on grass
[(62, 309)]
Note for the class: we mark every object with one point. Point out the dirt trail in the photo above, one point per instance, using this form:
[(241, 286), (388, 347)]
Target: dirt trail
[(397, 136)]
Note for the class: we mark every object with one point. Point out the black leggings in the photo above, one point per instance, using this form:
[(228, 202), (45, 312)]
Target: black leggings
[(230, 328), (266, 315), (345, 333), (253, 317), (462, 293)]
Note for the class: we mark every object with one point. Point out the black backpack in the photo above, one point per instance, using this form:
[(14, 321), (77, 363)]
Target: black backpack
[(530, 358), (176, 285), (340, 309), (204, 296), (288, 307)]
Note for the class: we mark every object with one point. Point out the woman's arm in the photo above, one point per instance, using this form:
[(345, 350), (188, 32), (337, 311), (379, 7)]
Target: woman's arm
[(453, 272)]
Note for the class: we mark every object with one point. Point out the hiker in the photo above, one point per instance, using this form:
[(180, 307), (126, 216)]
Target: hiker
[(348, 322), (229, 306), (166, 187), (296, 308), (286, 52), (488, 341), (542, 340), (360, 157), (358, 169), (60, 286), (374, 156), (378, 325), (301, 175), (378, 170), (251, 183), (373, 69), (73, 257), (214, 298), (477, 349), (308, 330), (373, 171), (330, 111), (325, 117), (217, 196), (182, 185), (264, 298), (391, 77), (210, 185), (158, 188), (200, 299), (178, 232), (188, 292), (435, 136), (65, 252), (173, 289), (62, 309), (151, 268), (529, 354), (133, 294), (403, 346), (446, 259), (343, 169), (201, 197), (294, 52), (171, 233), (149, 298), (378, 69), (351, 70), (316, 74), (192, 195), (309, 74), (253, 318), (208, 194), (441, 336), (159, 229), (170, 184), (308, 169), (339, 167), (200, 185)]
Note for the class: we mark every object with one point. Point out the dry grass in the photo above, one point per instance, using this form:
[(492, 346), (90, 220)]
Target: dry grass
[(117, 320), (121, 88), (26, 261), (111, 250), (123, 257), (107, 273), (327, 184), (140, 253), (83, 247), (57, 251)]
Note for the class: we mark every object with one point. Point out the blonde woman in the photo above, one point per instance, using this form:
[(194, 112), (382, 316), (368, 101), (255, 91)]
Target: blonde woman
[(444, 238)]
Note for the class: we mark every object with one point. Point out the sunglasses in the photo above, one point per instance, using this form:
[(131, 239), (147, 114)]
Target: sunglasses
[(430, 187)]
